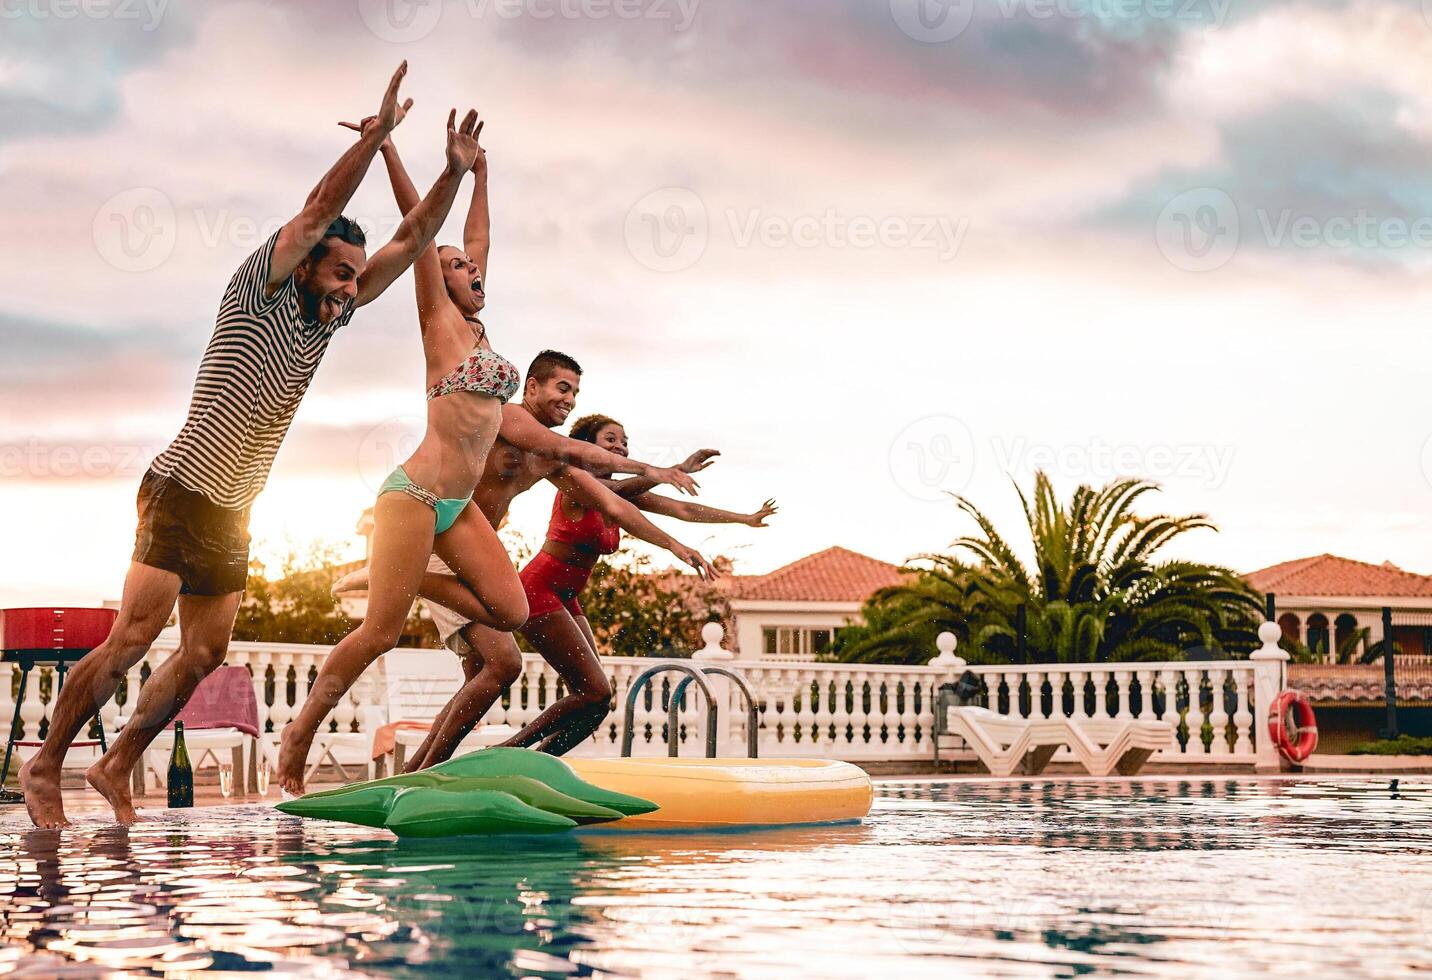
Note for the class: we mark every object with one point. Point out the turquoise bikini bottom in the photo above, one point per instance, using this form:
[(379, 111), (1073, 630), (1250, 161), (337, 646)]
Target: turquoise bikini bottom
[(446, 509)]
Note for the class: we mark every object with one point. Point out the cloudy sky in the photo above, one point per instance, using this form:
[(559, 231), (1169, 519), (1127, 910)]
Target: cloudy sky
[(872, 250)]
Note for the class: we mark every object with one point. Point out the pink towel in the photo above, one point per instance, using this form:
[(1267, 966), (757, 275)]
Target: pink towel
[(224, 699)]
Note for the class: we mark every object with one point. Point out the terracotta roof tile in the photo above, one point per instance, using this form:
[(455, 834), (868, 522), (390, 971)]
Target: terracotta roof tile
[(832, 575), (1330, 575)]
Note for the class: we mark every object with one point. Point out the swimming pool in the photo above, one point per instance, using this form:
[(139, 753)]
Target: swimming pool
[(1149, 877)]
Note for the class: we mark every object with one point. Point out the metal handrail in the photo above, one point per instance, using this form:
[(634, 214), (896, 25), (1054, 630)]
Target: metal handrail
[(692, 673), (753, 716)]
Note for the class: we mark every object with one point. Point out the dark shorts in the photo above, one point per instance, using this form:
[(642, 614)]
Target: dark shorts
[(184, 532)]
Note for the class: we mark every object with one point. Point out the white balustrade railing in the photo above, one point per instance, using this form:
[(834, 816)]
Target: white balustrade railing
[(856, 712)]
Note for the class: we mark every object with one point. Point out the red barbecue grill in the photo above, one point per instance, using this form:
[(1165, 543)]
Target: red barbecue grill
[(47, 636)]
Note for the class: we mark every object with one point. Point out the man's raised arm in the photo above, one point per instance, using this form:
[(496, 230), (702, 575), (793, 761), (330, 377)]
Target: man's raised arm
[(527, 434), (335, 190), (634, 486)]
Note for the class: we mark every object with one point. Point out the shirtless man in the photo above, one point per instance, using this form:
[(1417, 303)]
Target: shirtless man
[(526, 453), (275, 321)]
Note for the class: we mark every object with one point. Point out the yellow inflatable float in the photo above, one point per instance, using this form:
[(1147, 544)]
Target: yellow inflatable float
[(692, 793)]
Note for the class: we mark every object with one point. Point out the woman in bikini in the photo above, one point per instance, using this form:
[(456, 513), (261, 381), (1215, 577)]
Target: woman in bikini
[(421, 507), (577, 537)]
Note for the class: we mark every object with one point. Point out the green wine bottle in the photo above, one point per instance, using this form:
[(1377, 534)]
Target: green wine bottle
[(181, 773)]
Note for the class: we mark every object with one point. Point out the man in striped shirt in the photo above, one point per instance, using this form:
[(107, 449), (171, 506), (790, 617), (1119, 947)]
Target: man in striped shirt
[(275, 321)]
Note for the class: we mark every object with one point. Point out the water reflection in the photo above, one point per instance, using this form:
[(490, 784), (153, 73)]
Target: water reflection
[(1150, 877)]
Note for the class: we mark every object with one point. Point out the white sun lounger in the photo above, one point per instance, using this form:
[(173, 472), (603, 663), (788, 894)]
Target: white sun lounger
[(1008, 744)]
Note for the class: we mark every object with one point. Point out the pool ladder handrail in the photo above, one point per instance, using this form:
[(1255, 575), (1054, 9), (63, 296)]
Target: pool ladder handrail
[(753, 716), (697, 674)]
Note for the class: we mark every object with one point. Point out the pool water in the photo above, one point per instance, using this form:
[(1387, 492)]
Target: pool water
[(1150, 877)]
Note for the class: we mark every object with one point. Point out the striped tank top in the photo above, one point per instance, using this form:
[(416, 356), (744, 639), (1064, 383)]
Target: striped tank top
[(254, 372)]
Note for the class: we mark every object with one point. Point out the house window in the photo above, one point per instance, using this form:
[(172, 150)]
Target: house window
[(796, 641)]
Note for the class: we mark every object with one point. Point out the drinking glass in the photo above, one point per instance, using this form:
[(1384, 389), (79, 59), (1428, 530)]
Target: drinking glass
[(263, 777), (226, 780)]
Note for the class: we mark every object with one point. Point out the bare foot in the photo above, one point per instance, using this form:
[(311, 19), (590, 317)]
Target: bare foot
[(114, 787), (354, 581), (42, 795), (292, 757)]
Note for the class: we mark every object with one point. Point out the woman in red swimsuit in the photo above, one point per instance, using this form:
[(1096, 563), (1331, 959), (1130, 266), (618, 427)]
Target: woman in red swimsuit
[(556, 626)]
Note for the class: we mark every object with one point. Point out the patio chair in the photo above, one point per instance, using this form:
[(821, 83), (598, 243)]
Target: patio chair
[(418, 683), (1006, 744), (221, 715)]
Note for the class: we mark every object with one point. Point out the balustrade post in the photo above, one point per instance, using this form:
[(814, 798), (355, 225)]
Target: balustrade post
[(32, 712), (1218, 715), (1146, 694), (947, 668), (1242, 717), (1269, 677), (730, 722), (1124, 691), (7, 710), (1077, 679)]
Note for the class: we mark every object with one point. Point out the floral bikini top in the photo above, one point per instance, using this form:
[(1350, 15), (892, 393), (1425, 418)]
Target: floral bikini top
[(483, 371)]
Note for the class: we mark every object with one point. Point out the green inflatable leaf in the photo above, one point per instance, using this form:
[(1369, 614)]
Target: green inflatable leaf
[(544, 768), (368, 804), (487, 792), (425, 812), (365, 804)]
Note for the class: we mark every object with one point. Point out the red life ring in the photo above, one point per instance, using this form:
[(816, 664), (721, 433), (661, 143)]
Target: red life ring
[(1296, 737)]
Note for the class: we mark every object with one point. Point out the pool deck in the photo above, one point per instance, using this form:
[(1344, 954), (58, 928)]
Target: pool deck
[(86, 804)]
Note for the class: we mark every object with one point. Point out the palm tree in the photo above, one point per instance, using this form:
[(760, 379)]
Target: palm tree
[(1094, 592)]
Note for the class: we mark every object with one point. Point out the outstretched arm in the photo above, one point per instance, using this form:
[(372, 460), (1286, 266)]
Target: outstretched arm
[(477, 231), (297, 238), (694, 513), (422, 223), (635, 486), (529, 435), (588, 491)]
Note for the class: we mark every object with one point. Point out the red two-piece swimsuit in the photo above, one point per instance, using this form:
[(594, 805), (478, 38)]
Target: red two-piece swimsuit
[(551, 583)]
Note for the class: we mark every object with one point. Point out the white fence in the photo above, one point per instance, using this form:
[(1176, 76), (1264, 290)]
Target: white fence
[(855, 712)]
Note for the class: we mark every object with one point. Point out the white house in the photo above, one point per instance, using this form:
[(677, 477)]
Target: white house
[(794, 612), (1323, 599)]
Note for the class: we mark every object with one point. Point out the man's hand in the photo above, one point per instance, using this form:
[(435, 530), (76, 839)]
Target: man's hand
[(699, 460), (462, 148), (758, 519), (693, 558), (673, 475), (363, 126), (388, 113)]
